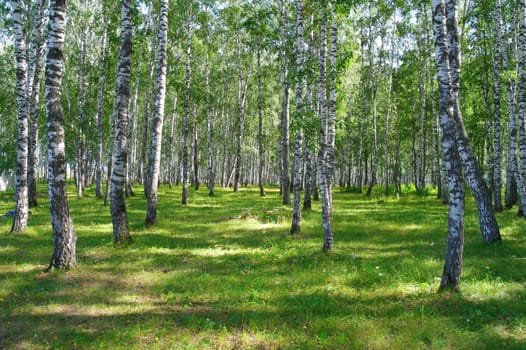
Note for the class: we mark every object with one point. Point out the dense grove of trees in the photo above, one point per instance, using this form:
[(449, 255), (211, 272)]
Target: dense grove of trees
[(379, 102)]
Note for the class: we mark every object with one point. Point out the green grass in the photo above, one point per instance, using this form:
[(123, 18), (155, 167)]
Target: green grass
[(223, 273)]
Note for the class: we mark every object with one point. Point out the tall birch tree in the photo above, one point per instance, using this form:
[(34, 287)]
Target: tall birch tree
[(119, 215), (100, 113), (297, 168), (36, 55), (285, 117), (20, 219), (487, 221), (158, 116), (64, 237), (455, 240), (186, 116)]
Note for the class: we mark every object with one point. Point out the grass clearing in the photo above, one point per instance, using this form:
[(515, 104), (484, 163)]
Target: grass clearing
[(223, 273)]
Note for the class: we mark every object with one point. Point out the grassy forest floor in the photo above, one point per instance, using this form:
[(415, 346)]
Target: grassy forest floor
[(223, 273)]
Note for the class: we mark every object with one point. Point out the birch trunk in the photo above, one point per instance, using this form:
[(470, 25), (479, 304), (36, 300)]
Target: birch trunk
[(521, 108), (100, 113), (158, 116), (188, 72), (64, 237), (332, 104), (324, 140), (195, 152), (497, 141), (209, 121), (121, 232), (487, 220), (297, 167), (261, 150), (81, 119), (35, 61), (241, 100), (285, 118), (455, 241), (21, 198), (373, 87)]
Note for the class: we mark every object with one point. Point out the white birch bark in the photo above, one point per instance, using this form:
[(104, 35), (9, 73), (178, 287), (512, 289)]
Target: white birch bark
[(488, 223), (209, 118), (374, 87), (64, 237), (285, 118), (241, 111), (158, 116), (331, 127), (121, 232), (323, 157), (455, 241), (100, 113), (497, 132), (36, 55), (261, 150), (21, 195), (521, 105), (186, 117), (297, 167)]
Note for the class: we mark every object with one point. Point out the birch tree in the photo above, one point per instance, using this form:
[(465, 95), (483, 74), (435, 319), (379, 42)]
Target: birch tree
[(100, 113), (497, 132), (455, 241), (119, 215), (186, 117), (285, 118), (158, 116), (296, 213), (36, 55), (20, 219), (488, 223), (521, 106), (64, 237)]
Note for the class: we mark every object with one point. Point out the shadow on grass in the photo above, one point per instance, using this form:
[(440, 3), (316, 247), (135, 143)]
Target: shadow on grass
[(224, 272)]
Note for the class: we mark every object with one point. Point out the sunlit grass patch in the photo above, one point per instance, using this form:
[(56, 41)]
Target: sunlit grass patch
[(224, 272)]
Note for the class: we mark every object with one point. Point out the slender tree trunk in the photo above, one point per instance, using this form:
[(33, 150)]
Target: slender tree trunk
[(146, 121), (497, 140), (455, 242), (209, 120), (512, 173), (64, 237), (521, 110), (158, 117), (195, 151), (487, 220), (241, 100), (119, 215), (173, 126), (297, 173), (373, 87), (310, 176), (100, 114), (111, 148), (35, 61), (261, 150), (21, 198), (331, 122), (419, 161), (324, 141), (80, 137), (285, 118), (184, 199)]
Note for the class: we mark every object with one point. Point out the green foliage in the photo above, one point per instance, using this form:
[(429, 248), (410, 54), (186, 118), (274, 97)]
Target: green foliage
[(8, 111), (223, 272)]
